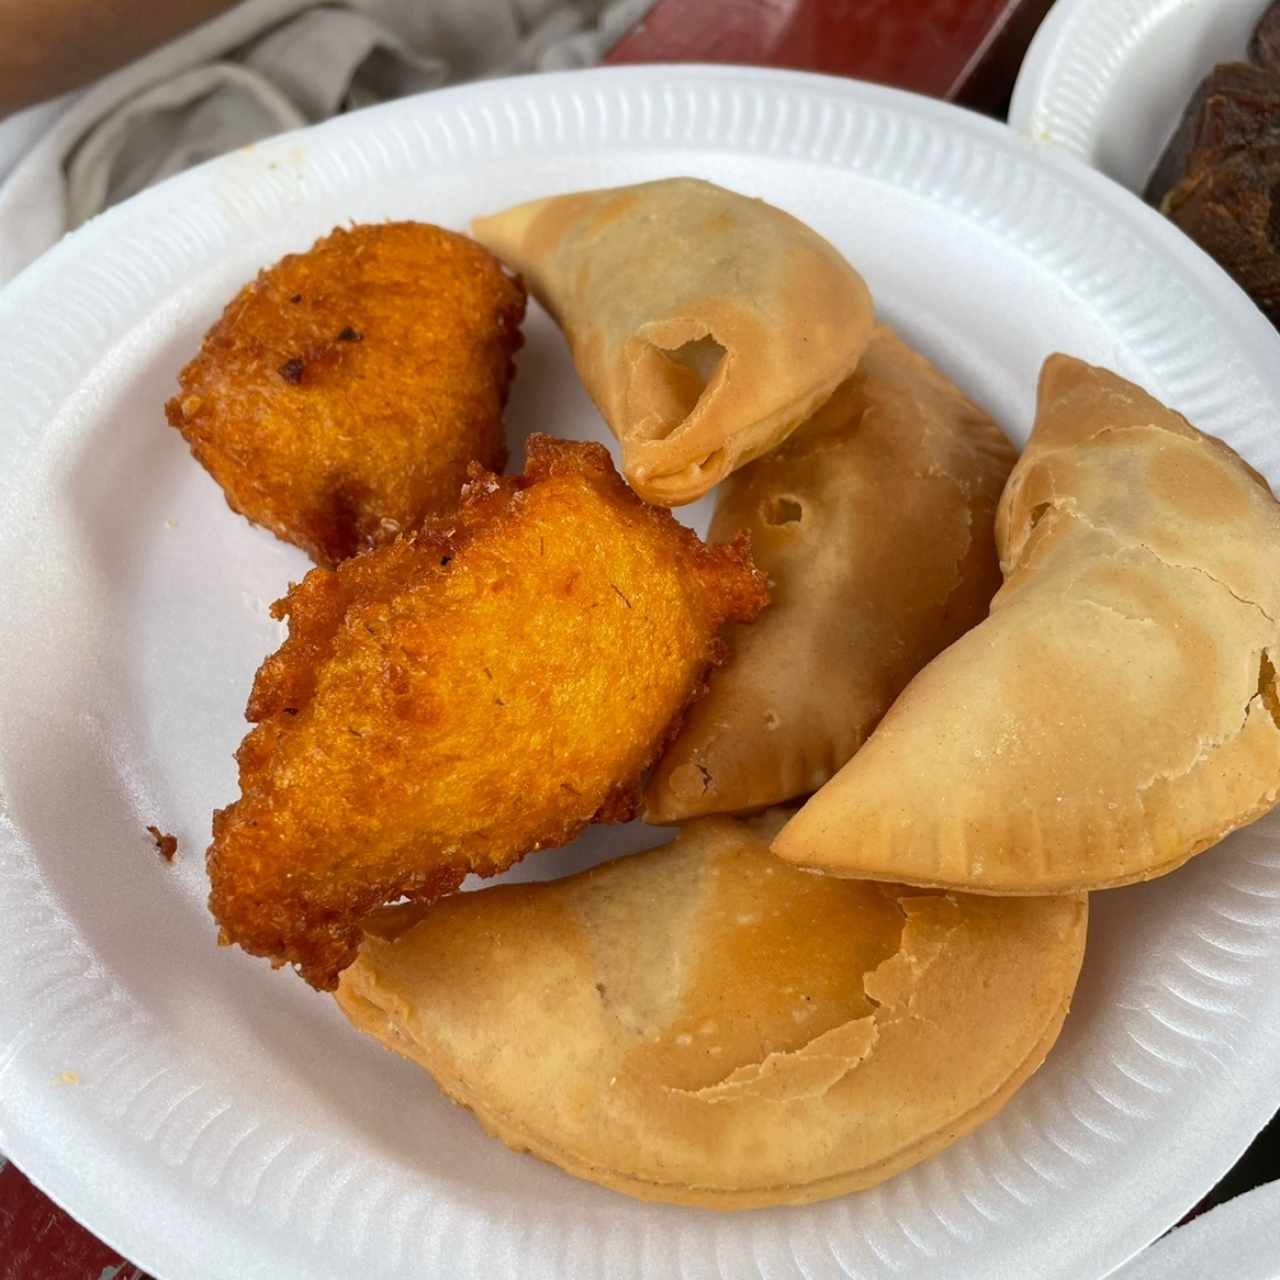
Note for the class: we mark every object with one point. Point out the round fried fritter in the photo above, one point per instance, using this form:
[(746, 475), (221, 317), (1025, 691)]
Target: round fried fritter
[(342, 395), (456, 699)]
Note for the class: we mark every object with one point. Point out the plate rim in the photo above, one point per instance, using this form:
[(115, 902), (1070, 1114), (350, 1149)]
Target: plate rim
[(1200, 1242), (58, 1177), (1070, 66), (1034, 108)]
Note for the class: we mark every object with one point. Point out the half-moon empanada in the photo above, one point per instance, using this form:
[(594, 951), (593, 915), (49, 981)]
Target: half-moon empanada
[(704, 1025), (705, 325), (1117, 712), (875, 522)]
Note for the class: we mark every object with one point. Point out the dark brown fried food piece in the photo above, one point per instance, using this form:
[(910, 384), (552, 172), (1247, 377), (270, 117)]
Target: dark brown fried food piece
[(1231, 109), (343, 394), (1219, 176), (459, 698)]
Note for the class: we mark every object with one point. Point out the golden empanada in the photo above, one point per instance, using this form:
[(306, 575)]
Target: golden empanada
[(704, 1025), (705, 325), (1117, 712), (875, 523)]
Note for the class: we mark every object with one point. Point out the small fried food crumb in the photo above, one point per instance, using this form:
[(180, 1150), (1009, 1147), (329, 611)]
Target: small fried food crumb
[(342, 395), (166, 846), (455, 700)]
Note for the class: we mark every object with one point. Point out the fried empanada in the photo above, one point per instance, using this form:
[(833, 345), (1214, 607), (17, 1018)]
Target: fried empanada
[(704, 1025), (1117, 712), (705, 325), (875, 524), (453, 701), (342, 394)]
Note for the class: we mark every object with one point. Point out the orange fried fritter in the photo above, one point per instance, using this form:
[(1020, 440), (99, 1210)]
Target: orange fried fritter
[(458, 698), (342, 395)]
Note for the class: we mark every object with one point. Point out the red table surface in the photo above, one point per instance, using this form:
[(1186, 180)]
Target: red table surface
[(966, 51)]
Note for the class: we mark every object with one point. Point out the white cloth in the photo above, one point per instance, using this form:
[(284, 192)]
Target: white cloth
[(270, 65), (20, 131)]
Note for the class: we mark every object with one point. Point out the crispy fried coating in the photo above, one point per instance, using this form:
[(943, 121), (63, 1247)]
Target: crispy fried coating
[(342, 395), (459, 698)]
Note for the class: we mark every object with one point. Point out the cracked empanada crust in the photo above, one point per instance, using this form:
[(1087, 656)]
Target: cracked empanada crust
[(1115, 714), (706, 325), (704, 1025)]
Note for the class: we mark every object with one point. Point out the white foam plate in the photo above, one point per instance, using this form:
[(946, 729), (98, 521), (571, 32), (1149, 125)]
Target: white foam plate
[(221, 1121), (1239, 1239), (1108, 80)]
